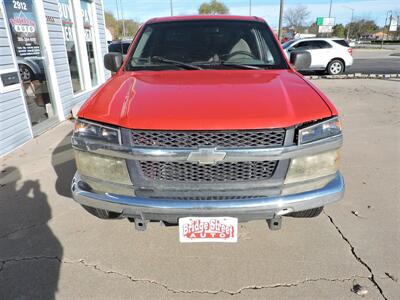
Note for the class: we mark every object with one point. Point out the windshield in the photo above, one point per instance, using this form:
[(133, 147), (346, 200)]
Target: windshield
[(206, 45), (287, 44), (119, 47)]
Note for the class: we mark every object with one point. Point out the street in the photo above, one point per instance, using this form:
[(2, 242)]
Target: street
[(373, 61), (50, 247), (375, 66), (376, 61)]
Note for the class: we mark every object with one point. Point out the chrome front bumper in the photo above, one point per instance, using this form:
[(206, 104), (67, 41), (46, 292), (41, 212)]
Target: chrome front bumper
[(247, 209)]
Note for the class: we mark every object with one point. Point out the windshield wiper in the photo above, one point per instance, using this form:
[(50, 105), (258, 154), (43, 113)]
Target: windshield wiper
[(237, 65), (175, 62)]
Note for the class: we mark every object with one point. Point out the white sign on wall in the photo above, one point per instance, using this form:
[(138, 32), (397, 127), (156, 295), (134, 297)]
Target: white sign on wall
[(325, 29), (393, 24)]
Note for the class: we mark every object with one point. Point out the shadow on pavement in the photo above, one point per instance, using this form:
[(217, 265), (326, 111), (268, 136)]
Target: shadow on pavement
[(30, 253), (63, 162)]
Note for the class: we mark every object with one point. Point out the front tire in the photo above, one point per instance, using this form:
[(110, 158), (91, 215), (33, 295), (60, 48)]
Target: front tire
[(26, 73), (335, 67), (101, 213), (311, 213)]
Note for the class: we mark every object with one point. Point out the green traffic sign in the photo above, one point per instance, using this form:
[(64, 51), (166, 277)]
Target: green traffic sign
[(320, 21)]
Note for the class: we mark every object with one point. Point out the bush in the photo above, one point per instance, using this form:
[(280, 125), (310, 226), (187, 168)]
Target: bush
[(386, 42)]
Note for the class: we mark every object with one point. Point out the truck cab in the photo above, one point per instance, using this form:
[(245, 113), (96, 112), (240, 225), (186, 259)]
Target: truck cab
[(206, 117)]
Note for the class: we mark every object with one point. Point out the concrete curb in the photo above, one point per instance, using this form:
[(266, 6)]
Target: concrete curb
[(353, 76)]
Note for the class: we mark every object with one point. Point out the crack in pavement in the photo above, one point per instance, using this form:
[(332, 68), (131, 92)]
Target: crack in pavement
[(357, 257), (22, 229), (28, 227), (177, 291), (391, 277)]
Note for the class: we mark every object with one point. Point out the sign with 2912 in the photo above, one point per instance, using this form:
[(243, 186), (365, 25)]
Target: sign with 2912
[(23, 24)]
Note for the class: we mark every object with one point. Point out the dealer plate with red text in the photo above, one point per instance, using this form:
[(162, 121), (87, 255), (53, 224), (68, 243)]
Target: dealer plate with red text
[(208, 229)]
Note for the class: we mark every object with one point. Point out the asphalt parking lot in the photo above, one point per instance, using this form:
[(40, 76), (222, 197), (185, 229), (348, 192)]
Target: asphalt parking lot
[(50, 247)]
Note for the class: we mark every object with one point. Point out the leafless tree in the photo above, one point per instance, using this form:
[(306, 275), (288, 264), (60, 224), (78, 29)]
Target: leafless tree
[(296, 17)]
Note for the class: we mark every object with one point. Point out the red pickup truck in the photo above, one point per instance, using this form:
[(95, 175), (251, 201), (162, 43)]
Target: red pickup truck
[(205, 117)]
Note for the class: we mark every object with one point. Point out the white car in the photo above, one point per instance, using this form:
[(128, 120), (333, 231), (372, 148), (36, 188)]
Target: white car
[(331, 55)]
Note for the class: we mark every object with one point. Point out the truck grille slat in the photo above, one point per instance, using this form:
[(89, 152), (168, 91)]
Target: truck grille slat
[(197, 139), (226, 171)]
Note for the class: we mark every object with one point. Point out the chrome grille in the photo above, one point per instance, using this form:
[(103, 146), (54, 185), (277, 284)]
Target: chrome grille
[(226, 171), (199, 139)]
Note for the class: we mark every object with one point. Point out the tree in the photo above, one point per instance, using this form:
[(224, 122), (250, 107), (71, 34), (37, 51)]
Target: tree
[(296, 17), (115, 26), (131, 27), (313, 28), (111, 23), (339, 31), (360, 27), (214, 7)]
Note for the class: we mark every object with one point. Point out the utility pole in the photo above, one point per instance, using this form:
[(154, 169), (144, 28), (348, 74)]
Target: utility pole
[(280, 21), (383, 31), (171, 6), (351, 20), (123, 20), (116, 4), (330, 9), (249, 7)]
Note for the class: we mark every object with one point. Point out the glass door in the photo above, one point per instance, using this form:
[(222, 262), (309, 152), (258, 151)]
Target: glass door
[(26, 38), (87, 15), (71, 42)]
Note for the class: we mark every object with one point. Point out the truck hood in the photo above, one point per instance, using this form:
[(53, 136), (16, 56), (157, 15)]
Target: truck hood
[(206, 100)]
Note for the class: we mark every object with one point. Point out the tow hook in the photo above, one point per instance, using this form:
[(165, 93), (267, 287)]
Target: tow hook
[(275, 223), (140, 223)]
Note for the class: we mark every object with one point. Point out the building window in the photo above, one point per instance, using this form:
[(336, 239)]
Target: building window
[(80, 40), (87, 14), (70, 37)]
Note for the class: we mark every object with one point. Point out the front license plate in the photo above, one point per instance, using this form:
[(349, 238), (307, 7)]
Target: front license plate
[(208, 229)]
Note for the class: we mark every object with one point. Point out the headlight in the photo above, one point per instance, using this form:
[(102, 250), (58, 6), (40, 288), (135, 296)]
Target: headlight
[(96, 131), (102, 167), (312, 167), (320, 131)]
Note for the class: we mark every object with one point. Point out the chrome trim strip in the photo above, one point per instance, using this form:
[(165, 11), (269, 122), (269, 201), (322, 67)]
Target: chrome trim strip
[(332, 192), (232, 155)]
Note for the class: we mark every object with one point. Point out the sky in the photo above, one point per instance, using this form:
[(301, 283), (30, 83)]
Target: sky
[(142, 10)]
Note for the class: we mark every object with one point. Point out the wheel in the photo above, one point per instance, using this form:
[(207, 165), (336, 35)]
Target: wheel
[(311, 213), (335, 67), (26, 73), (101, 213)]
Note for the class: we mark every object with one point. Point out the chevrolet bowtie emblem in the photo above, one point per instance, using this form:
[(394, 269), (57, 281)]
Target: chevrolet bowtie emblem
[(206, 156)]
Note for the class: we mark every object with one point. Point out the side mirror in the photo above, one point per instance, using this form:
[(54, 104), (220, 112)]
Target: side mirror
[(113, 61), (301, 60)]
